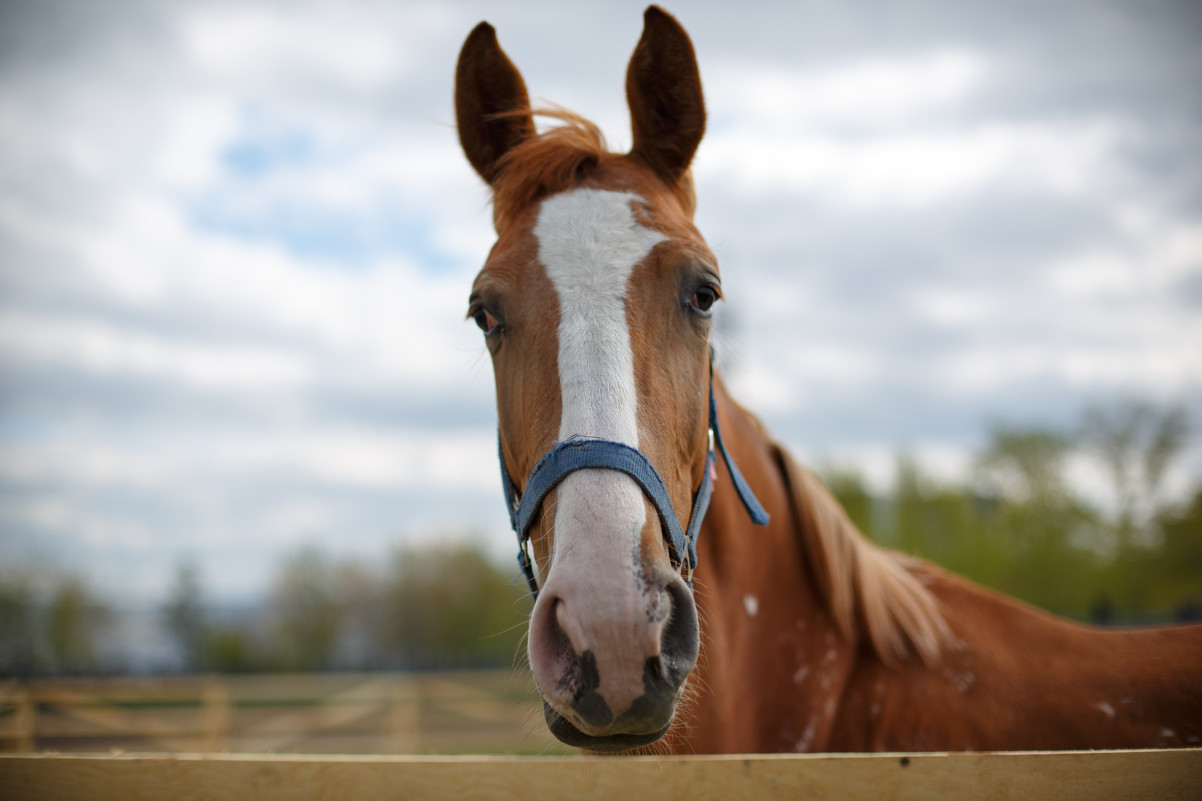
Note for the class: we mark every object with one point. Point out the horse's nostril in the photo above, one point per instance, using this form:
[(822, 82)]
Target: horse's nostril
[(680, 639), (561, 650)]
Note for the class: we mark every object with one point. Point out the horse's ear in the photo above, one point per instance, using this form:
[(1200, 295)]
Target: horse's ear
[(492, 108), (663, 88)]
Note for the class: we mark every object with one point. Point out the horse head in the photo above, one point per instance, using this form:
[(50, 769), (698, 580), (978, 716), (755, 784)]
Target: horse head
[(595, 304)]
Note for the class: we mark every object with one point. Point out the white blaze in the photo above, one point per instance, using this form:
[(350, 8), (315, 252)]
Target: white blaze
[(589, 243)]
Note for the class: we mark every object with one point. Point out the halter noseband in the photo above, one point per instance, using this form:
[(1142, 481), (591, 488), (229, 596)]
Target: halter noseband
[(583, 453)]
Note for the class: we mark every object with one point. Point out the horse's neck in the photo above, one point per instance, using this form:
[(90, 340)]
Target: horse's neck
[(789, 605), (814, 638), (1017, 678), (773, 659), (868, 591)]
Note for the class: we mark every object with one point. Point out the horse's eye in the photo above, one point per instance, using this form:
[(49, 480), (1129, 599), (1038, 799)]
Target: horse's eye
[(703, 299), (484, 320)]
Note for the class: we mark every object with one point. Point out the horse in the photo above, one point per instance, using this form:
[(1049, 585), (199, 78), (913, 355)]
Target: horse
[(766, 622)]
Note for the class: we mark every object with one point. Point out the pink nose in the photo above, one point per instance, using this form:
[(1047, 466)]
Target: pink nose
[(611, 658)]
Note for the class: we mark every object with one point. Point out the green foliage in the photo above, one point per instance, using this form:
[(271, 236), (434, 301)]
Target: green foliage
[(852, 491), (228, 650), (428, 607), (1135, 442), (1019, 528), (184, 615), (1178, 580), (307, 610), (449, 607), (50, 624), (18, 626)]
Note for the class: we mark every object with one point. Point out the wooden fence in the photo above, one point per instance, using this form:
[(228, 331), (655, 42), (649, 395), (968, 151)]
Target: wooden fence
[(236, 719), (447, 713), (1174, 775)]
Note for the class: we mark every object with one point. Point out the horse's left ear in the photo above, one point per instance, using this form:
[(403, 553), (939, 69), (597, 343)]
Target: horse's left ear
[(663, 88)]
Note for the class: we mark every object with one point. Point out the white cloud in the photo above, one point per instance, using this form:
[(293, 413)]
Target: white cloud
[(101, 347), (196, 132), (109, 532), (889, 132), (323, 44), (874, 92), (367, 458), (910, 167), (1153, 254), (957, 307)]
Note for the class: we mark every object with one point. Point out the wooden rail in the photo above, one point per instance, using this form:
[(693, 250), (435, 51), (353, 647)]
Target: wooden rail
[(1171, 775), (375, 713)]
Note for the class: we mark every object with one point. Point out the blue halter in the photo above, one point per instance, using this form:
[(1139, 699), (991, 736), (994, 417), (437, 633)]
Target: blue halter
[(582, 453)]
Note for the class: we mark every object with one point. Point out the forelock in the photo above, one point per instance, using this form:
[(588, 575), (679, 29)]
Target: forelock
[(554, 161)]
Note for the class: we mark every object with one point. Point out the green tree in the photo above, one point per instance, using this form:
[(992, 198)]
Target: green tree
[(1177, 590), (228, 650), (1041, 527), (448, 606), (184, 616), (19, 653), (76, 621), (947, 524), (306, 612), (1135, 441), (849, 487)]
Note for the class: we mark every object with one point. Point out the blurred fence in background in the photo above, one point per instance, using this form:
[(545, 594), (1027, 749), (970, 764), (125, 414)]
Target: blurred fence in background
[(488, 712)]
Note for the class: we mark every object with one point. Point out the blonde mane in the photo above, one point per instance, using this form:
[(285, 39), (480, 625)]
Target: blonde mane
[(868, 590)]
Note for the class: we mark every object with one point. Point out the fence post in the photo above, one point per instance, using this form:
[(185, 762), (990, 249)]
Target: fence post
[(26, 721), (406, 716), (217, 714)]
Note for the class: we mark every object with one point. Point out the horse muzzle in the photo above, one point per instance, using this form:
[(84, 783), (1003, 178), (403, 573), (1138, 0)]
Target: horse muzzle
[(611, 680)]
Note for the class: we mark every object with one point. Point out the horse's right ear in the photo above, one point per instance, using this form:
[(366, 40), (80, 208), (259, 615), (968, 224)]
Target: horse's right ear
[(490, 98)]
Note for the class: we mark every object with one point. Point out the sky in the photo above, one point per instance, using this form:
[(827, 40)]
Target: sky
[(236, 243)]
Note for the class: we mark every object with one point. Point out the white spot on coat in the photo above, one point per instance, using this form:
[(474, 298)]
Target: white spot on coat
[(801, 674), (1106, 708), (807, 736), (962, 681), (751, 604)]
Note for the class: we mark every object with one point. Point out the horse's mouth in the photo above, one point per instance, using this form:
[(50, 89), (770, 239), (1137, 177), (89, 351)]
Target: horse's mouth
[(568, 734)]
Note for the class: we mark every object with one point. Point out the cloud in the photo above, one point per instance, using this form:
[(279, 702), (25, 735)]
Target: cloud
[(898, 131), (236, 242), (871, 93)]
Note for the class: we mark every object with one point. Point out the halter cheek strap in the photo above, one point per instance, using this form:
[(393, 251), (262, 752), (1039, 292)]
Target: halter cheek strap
[(583, 453)]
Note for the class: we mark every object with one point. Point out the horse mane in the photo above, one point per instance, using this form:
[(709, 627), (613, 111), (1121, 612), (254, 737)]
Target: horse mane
[(868, 590), (553, 161)]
